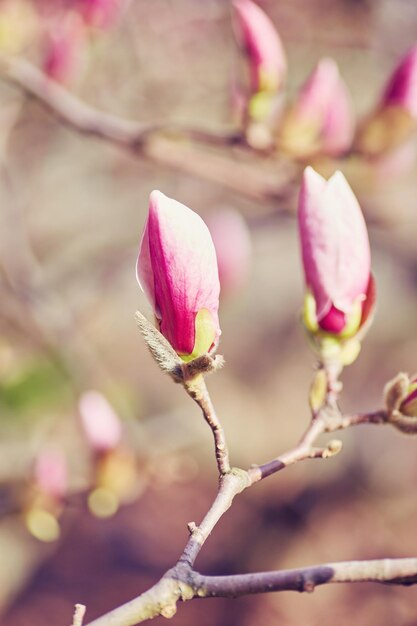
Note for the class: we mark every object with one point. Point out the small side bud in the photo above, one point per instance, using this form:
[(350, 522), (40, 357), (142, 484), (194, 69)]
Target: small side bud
[(400, 396), (318, 391)]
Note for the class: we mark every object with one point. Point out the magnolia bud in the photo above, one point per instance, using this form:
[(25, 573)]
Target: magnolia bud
[(395, 116), (65, 48), (177, 270), (336, 258), (263, 46), (321, 119)]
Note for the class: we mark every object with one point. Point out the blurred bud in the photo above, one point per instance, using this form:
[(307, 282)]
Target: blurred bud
[(50, 473), (177, 270), (321, 120), (49, 486), (100, 422), (65, 49), (400, 396), (262, 44), (395, 117), (18, 25), (233, 245), (117, 482), (336, 259), (401, 89), (102, 14)]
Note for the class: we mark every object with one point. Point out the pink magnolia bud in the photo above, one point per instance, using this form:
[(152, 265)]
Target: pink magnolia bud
[(51, 473), (335, 252), (64, 49), (401, 89), (100, 422), (102, 14), (233, 247), (177, 270), (321, 119), (263, 46)]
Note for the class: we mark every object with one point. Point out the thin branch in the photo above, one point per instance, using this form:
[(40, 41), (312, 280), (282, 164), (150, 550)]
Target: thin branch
[(182, 583), (230, 485), (197, 389), (172, 146), (395, 571)]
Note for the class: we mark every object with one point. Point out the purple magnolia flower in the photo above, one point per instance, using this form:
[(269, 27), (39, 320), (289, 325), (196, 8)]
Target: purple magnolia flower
[(335, 253), (177, 270), (263, 45), (401, 89)]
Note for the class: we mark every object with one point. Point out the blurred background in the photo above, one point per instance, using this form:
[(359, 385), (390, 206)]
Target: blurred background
[(97, 518)]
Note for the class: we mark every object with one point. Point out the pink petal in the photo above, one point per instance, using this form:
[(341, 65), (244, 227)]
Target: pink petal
[(401, 89), (334, 241), (178, 255), (262, 42), (325, 101)]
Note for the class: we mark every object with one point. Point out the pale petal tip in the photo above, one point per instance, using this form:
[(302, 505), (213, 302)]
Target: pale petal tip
[(311, 177)]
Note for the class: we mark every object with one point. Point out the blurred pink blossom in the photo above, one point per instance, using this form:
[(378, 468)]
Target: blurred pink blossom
[(233, 245), (177, 269), (258, 36), (325, 102), (100, 422), (65, 46), (51, 473), (401, 89), (335, 250), (102, 14)]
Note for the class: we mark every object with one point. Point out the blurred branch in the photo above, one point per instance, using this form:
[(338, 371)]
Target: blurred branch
[(182, 582), (171, 146)]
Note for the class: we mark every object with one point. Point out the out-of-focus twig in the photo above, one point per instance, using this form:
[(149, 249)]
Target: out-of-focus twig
[(176, 147)]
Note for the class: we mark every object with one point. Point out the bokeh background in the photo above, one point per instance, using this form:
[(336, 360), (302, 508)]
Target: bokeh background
[(72, 209)]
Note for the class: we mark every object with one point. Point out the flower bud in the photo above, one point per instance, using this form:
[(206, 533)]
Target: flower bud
[(395, 116), (100, 422), (50, 473), (263, 46), (336, 256), (321, 119), (401, 89), (233, 245), (409, 404), (400, 395), (102, 14), (177, 270), (64, 49)]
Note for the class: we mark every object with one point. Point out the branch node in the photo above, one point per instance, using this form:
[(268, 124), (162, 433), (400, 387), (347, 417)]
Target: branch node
[(192, 527)]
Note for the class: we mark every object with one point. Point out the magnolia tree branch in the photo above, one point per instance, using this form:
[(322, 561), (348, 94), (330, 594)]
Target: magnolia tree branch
[(172, 146), (183, 583)]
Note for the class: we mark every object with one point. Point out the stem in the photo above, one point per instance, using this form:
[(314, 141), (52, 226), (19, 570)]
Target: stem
[(197, 389), (395, 571), (230, 485)]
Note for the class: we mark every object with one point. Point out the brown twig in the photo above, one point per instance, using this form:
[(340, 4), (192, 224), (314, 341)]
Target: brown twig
[(197, 389)]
